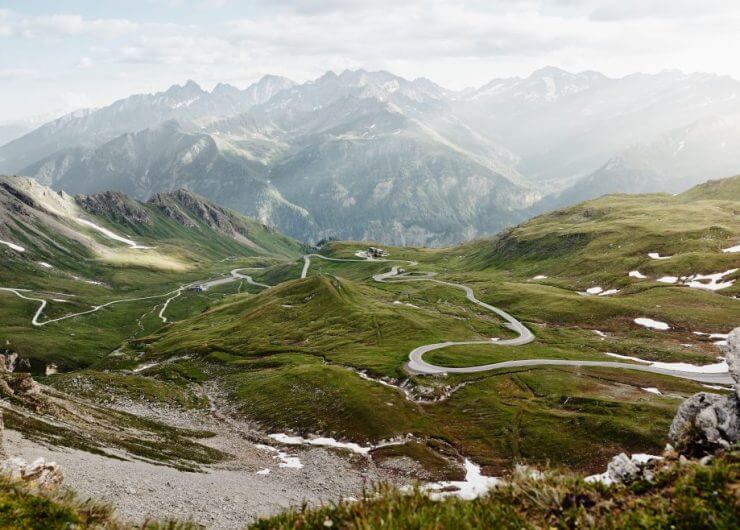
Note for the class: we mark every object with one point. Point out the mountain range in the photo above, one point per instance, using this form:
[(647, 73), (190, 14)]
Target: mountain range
[(371, 155)]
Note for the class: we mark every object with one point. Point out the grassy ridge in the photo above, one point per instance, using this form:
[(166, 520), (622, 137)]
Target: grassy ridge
[(284, 355)]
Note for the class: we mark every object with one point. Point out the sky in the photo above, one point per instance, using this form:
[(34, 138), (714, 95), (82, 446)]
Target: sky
[(57, 55)]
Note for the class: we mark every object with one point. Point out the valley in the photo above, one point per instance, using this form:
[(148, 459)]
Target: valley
[(178, 333)]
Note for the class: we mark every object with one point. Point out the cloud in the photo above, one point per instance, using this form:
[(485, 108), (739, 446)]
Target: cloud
[(85, 63), (456, 43), (11, 74), (63, 25), (620, 10)]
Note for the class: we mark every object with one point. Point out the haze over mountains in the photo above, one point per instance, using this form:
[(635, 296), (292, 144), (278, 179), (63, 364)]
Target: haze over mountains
[(370, 155)]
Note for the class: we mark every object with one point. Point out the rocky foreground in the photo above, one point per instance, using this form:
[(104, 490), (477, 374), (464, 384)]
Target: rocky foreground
[(695, 483)]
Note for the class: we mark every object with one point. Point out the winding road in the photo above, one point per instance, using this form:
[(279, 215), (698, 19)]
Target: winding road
[(235, 275), (416, 364)]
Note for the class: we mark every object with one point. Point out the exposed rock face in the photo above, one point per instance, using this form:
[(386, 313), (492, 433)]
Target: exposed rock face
[(706, 422), (115, 206), (42, 473)]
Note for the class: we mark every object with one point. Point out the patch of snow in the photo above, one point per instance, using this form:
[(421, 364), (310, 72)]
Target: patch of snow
[(715, 368), (45, 265), (265, 471), (602, 478), (292, 462), (609, 292), (732, 250), (109, 234), (143, 367), (594, 290), (644, 458), (599, 333), (474, 485), (668, 279), (398, 302), (627, 357), (650, 323), (15, 247), (710, 282), (717, 387), (637, 274), (652, 390), (540, 277), (321, 442), (656, 255)]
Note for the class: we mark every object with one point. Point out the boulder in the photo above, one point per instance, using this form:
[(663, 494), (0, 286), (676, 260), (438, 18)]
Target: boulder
[(707, 422), (732, 351), (704, 423), (39, 472), (623, 469)]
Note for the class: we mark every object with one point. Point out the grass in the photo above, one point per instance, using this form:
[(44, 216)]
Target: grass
[(283, 354), (286, 355), (331, 318), (681, 497)]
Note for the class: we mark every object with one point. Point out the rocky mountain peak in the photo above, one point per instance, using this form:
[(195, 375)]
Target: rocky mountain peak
[(115, 206)]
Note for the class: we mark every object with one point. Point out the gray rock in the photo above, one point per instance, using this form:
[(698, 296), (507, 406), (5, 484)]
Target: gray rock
[(40, 472), (732, 357), (704, 423), (623, 469)]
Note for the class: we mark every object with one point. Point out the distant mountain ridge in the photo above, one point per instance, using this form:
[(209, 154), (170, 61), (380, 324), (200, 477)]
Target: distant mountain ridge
[(39, 223), (372, 155)]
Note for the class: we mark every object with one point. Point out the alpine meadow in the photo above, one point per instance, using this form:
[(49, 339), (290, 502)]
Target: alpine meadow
[(430, 265)]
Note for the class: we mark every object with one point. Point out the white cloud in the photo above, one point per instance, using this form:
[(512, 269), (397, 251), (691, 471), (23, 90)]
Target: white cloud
[(19, 74), (62, 25), (85, 63), (456, 43)]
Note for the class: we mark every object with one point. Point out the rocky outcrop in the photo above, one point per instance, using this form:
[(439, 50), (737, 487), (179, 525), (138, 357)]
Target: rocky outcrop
[(733, 357), (707, 422), (625, 470), (116, 207), (39, 472), (42, 473)]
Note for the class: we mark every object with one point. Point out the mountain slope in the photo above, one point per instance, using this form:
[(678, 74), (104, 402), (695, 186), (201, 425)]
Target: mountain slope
[(417, 174), (91, 128), (166, 158), (709, 148), (373, 155), (51, 226), (565, 126)]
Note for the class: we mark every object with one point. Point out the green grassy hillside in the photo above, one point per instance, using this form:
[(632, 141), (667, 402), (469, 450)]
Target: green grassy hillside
[(75, 267), (287, 356), (326, 354)]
